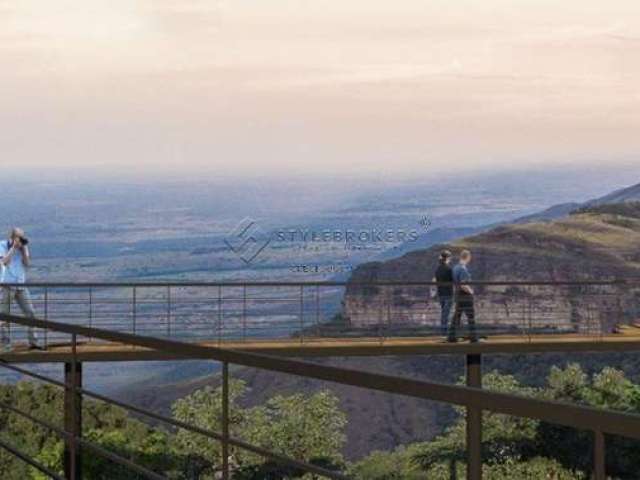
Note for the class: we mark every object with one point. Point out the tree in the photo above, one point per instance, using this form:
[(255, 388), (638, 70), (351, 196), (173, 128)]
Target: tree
[(504, 437), (537, 468), (396, 465), (106, 425), (134, 441), (608, 389), (522, 448), (304, 428), (204, 409), (309, 429)]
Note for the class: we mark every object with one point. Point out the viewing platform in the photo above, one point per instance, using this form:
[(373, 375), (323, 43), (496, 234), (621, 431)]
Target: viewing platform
[(316, 319), (627, 340)]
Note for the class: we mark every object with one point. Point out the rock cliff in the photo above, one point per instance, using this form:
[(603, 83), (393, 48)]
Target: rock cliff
[(597, 243)]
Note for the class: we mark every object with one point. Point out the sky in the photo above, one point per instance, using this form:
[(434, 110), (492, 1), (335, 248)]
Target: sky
[(208, 88)]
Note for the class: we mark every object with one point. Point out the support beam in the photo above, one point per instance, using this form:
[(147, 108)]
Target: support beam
[(225, 421), (72, 420), (474, 421), (599, 457)]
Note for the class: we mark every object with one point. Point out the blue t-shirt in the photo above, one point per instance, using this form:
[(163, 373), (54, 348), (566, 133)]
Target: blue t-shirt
[(461, 275), (15, 272)]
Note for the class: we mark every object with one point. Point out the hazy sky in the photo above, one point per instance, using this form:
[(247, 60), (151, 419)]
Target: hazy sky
[(321, 86)]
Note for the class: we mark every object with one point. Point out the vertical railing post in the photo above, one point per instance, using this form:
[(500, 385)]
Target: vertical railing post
[(225, 421), (244, 313), (301, 313), (134, 307), (530, 312), (318, 328), (388, 297), (474, 420), (390, 312), (73, 414), (169, 311), (599, 456), (46, 316), (8, 324), (90, 308), (525, 333), (220, 326)]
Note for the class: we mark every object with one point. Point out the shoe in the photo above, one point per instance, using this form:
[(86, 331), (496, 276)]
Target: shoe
[(33, 341), (452, 340)]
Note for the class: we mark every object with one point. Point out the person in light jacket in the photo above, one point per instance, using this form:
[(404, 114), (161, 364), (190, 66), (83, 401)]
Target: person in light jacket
[(15, 259)]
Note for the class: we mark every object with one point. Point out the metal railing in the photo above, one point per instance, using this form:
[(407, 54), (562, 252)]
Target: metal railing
[(229, 311), (472, 397)]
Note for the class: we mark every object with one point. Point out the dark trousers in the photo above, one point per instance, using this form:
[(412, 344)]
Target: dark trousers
[(464, 305), (445, 312)]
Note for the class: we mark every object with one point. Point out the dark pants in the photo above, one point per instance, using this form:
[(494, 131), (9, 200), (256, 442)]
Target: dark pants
[(464, 305), (445, 312)]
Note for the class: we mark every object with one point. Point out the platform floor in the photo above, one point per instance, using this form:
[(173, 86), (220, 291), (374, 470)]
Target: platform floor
[(626, 338)]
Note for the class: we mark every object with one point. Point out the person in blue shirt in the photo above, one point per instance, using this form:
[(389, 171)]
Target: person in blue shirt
[(15, 258), (463, 299)]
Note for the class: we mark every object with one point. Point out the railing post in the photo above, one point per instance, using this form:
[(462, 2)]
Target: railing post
[(225, 421), (530, 312), (301, 313), (599, 457), (134, 307), (220, 326), (73, 415), (46, 316), (318, 328), (168, 311), (244, 313), (8, 324), (389, 296), (90, 309), (474, 420)]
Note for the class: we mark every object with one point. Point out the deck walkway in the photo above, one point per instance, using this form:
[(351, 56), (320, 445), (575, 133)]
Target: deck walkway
[(627, 339)]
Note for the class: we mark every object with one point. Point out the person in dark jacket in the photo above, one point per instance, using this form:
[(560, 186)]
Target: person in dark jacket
[(444, 278)]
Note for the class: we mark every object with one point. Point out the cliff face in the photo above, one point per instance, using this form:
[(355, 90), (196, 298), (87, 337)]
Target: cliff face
[(601, 243)]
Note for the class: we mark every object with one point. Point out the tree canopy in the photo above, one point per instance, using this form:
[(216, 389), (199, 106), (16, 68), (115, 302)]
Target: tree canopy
[(311, 428)]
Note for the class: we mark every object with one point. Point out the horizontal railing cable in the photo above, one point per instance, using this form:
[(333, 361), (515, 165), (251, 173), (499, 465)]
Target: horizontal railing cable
[(355, 283)]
